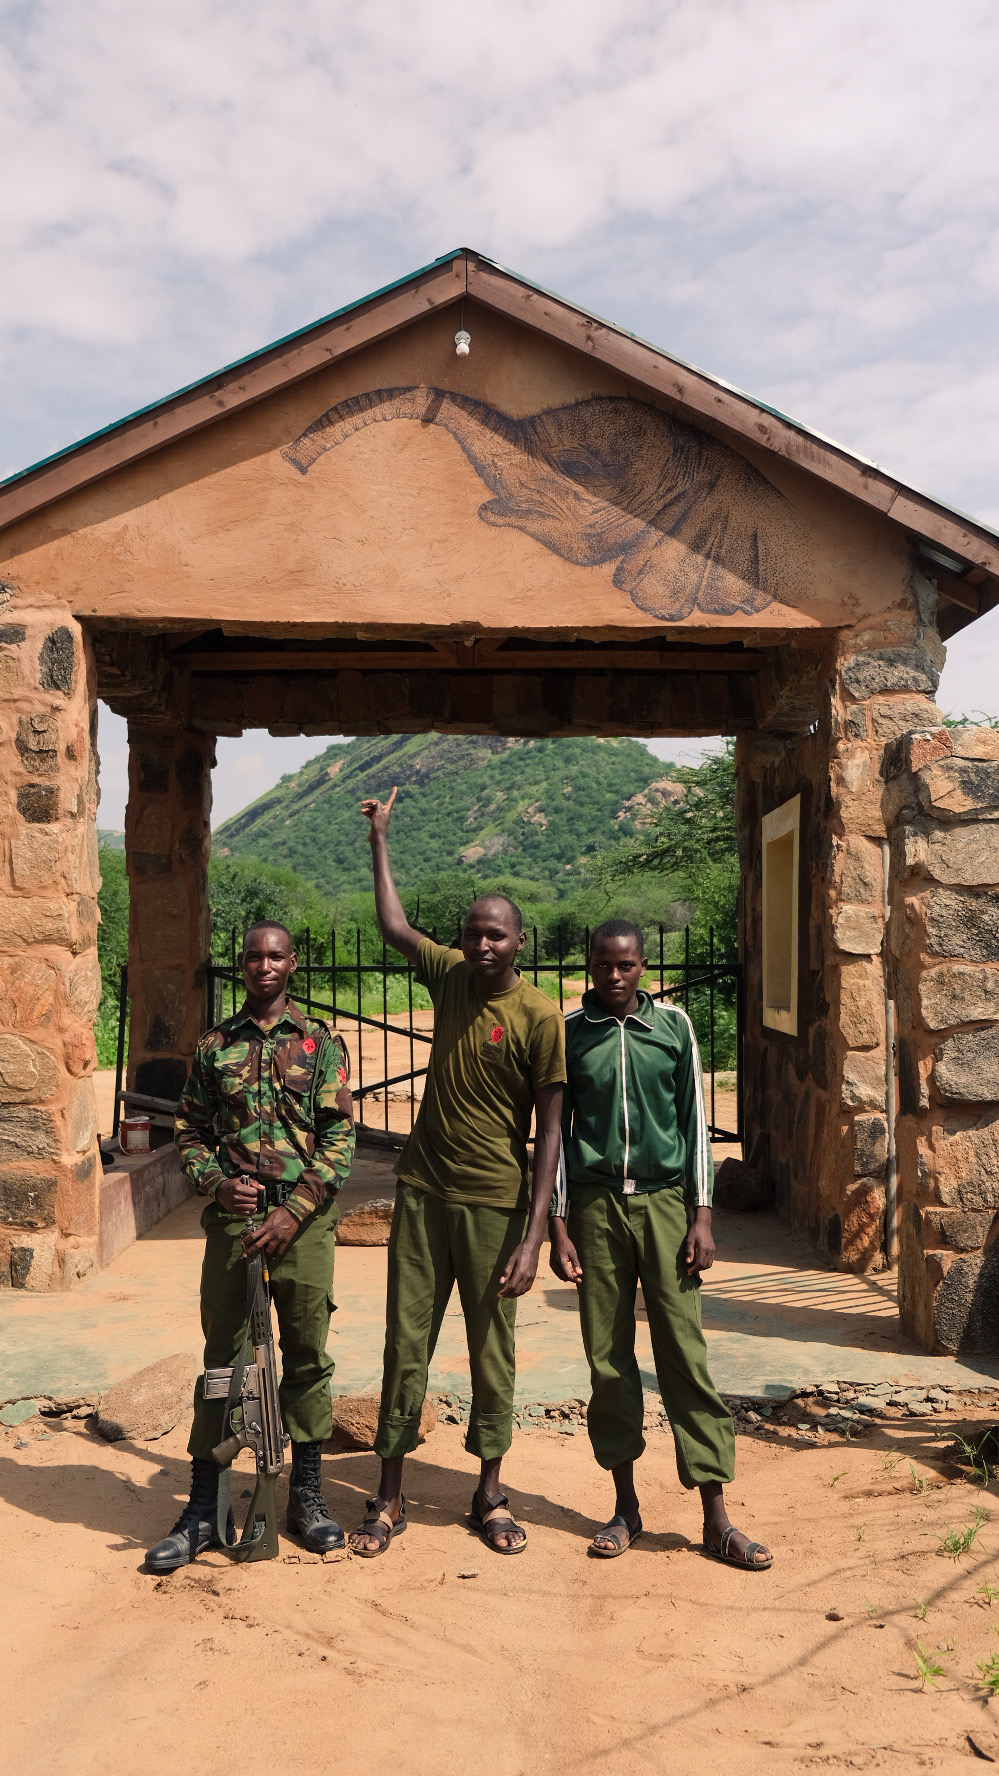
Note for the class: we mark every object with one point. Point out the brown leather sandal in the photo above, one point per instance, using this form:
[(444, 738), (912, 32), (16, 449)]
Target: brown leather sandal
[(495, 1522), (380, 1527), (620, 1532)]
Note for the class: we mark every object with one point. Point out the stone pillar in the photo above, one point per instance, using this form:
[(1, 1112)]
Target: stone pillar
[(50, 983), (167, 836), (942, 806), (816, 1103)]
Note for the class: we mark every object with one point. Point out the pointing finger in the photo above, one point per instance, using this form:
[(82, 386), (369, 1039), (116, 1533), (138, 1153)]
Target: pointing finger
[(388, 804)]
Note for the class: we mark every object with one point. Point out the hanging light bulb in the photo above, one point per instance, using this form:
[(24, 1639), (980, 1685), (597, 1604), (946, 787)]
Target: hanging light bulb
[(462, 341)]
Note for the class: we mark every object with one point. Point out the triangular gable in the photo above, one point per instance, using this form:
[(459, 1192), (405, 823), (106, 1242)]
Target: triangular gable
[(962, 554)]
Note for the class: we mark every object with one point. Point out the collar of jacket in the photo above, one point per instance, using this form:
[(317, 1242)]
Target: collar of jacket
[(290, 1015), (644, 1014)]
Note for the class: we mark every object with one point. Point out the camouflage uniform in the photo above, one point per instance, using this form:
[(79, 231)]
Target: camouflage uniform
[(274, 1104)]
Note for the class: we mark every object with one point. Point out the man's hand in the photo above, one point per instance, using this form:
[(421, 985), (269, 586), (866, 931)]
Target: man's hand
[(274, 1237), (699, 1251), (521, 1270), (238, 1195), (563, 1260), (378, 814)]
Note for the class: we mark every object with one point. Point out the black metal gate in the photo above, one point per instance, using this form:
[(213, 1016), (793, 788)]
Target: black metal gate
[(354, 993)]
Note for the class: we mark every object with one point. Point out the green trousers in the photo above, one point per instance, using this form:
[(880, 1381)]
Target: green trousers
[(621, 1241), (433, 1245), (302, 1292)]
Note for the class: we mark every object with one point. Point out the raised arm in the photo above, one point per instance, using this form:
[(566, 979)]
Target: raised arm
[(392, 921)]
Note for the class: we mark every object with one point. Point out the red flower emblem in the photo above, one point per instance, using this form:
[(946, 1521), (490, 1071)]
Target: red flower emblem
[(342, 1075), (497, 1034), (309, 1046)]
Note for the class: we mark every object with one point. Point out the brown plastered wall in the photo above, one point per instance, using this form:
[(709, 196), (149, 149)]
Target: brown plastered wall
[(50, 984), (386, 529), (167, 840), (941, 804), (816, 1104)]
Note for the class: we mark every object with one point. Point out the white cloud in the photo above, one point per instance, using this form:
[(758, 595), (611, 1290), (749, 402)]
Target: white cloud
[(799, 198)]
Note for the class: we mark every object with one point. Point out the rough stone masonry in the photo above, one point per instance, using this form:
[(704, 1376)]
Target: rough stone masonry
[(941, 803), (50, 983), (816, 1101)]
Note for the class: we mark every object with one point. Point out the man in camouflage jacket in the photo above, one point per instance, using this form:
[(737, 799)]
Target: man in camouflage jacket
[(266, 1103)]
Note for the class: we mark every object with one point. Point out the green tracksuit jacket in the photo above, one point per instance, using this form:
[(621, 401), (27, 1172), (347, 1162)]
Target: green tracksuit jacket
[(633, 1108)]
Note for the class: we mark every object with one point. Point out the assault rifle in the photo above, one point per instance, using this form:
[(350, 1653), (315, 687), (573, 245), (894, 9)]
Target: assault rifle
[(252, 1417)]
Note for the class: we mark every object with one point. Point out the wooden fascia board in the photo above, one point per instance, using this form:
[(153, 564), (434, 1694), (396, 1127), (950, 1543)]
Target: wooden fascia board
[(642, 363), (231, 391)]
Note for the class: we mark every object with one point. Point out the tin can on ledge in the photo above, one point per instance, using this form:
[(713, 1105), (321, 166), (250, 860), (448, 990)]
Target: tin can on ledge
[(133, 1134)]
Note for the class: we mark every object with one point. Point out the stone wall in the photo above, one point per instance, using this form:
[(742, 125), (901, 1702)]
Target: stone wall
[(941, 804), (167, 837), (816, 1103), (50, 984)]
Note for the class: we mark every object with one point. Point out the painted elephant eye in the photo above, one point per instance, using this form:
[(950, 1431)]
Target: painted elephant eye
[(585, 465)]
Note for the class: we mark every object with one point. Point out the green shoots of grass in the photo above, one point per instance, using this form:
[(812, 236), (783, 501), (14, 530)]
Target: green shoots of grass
[(958, 1542), (988, 1593), (922, 1609), (891, 1459), (989, 1669), (928, 1668), (919, 1482), (836, 1477), (973, 1455)]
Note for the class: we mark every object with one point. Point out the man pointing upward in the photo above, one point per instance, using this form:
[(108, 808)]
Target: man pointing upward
[(461, 1209)]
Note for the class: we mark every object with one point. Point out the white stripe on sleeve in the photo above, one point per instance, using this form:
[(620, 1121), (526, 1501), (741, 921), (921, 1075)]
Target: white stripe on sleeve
[(561, 1193), (701, 1171)]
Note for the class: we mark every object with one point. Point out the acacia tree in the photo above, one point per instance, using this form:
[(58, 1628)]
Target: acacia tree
[(691, 839)]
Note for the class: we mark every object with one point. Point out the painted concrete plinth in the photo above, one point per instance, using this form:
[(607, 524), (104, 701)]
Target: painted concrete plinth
[(136, 1194)]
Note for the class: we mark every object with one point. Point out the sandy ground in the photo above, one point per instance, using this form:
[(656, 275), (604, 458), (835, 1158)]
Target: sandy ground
[(659, 1661)]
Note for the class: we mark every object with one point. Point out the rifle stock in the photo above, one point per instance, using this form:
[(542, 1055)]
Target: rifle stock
[(253, 1419)]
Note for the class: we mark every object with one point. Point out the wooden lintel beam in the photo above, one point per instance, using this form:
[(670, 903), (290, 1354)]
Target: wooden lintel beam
[(469, 660)]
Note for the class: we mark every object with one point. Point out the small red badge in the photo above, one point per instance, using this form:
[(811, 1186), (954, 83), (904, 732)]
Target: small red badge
[(342, 1075), (309, 1046), (497, 1034)]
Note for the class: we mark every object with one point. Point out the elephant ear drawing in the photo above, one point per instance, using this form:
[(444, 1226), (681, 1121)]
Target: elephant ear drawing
[(688, 522), (720, 545)]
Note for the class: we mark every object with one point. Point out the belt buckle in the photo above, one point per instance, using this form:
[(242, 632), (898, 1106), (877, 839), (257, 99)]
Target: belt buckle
[(628, 1187)]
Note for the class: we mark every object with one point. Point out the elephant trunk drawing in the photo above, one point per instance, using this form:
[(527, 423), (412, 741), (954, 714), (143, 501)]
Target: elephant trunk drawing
[(687, 520)]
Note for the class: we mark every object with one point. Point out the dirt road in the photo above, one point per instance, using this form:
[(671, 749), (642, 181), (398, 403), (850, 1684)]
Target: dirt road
[(552, 1662)]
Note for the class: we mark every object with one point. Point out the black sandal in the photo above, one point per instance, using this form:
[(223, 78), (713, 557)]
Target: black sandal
[(379, 1526), (495, 1522), (746, 1559), (610, 1533)]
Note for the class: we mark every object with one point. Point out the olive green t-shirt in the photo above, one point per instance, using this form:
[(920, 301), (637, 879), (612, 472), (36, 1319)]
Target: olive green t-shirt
[(488, 1059)]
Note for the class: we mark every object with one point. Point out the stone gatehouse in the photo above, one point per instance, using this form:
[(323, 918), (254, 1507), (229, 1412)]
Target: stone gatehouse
[(562, 531)]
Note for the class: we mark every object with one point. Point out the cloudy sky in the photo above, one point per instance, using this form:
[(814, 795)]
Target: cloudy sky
[(798, 197)]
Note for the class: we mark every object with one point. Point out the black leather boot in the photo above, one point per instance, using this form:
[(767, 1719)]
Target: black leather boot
[(307, 1513), (195, 1529)]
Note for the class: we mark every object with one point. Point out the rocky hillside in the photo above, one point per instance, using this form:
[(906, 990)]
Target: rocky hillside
[(531, 810)]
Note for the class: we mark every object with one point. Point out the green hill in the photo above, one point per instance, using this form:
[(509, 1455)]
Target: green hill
[(533, 810)]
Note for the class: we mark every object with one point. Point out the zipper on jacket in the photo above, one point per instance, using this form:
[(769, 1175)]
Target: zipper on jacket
[(628, 1183)]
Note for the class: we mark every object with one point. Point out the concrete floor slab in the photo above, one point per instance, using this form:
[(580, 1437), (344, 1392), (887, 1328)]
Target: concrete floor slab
[(774, 1322)]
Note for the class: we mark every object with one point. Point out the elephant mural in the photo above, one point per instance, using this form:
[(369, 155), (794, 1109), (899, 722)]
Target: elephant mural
[(688, 521)]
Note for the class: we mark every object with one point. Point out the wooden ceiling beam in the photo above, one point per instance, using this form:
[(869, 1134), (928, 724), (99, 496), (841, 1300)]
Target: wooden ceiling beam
[(467, 660)]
